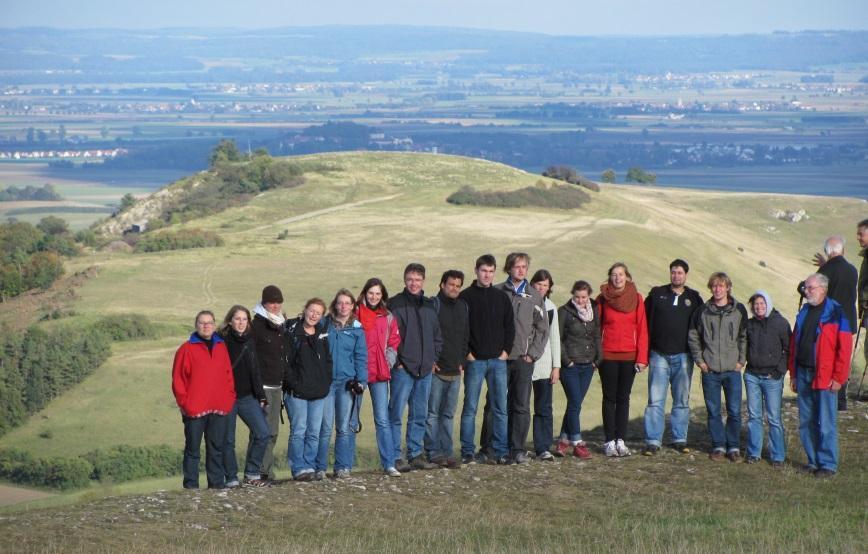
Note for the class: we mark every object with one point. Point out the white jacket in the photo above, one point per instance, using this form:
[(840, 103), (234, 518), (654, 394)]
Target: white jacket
[(551, 357)]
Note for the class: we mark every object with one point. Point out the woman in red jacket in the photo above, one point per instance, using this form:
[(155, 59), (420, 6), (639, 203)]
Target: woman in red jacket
[(204, 389), (381, 335), (625, 351)]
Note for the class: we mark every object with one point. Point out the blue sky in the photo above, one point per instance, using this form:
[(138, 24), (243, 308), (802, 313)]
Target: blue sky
[(564, 17)]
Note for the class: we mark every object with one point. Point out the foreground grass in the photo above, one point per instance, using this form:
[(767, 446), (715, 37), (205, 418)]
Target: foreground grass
[(671, 502)]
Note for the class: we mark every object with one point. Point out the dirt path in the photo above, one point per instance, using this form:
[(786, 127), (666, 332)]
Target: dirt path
[(328, 210), (15, 495)]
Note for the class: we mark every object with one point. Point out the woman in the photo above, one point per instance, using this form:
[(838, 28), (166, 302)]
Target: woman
[(350, 370), (306, 383), (250, 403), (581, 354), (625, 351), (768, 344), (546, 371), (382, 338)]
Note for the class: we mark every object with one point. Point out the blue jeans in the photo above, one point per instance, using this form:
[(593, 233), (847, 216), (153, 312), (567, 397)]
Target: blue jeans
[(411, 392), (493, 372), (252, 414), (576, 379), (305, 421), (769, 391), (380, 402), (213, 426), (818, 422), (441, 413), (337, 414), (665, 370), (730, 382)]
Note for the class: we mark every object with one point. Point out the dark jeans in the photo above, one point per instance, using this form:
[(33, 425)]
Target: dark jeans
[(542, 416), (253, 416), (213, 426), (617, 377), (576, 379), (519, 373)]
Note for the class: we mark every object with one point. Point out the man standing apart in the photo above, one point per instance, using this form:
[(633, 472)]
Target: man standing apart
[(669, 309), (819, 364), (718, 344), (862, 237), (455, 330), (531, 336), (492, 333), (420, 348)]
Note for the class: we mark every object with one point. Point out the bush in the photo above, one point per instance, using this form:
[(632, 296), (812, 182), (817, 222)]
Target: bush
[(58, 473), (122, 327), (555, 196), (569, 175), (127, 463), (177, 240)]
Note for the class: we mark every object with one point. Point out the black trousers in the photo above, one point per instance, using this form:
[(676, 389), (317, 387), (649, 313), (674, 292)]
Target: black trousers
[(617, 380), (519, 386)]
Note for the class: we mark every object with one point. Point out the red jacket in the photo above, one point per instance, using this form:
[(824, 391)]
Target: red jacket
[(202, 381), (383, 339), (833, 346), (624, 331)]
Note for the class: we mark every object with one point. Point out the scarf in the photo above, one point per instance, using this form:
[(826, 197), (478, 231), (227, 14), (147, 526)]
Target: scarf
[(624, 300), (277, 319), (368, 317), (585, 314)]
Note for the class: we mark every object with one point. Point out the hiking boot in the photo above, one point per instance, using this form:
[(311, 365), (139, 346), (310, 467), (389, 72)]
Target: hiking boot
[(809, 469), (546, 457), (419, 462), (621, 448), (824, 473), (778, 465), (505, 460), (521, 457), (751, 460), (680, 447), (733, 456), (392, 472), (610, 449), (581, 451), (716, 456), (342, 473), (320, 475), (483, 458), (651, 450), (468, 459), (450, 463), (562, 448), (402, 465), (305, 477)]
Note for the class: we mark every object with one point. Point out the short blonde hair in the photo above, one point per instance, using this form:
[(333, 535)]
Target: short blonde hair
[(720, 277)]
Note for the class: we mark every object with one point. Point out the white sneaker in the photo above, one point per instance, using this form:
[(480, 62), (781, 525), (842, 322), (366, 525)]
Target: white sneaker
[(392, 472), (342, 474), (621, 448), (611, 449)]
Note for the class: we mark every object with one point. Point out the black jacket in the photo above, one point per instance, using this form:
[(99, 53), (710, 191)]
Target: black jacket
[(492, 325), (419, 327), (768, 344), (455, 330), (843, 279), (245, 366), (309, 372), (863, 284), (272, 347), (669, 319), (580, 340)]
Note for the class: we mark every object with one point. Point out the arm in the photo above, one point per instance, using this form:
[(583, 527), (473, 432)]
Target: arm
[(223, 353), (742, 337), (540, 331), (841, 369), (508, 323), (561, 325), (393, 341), (180, 373), (641, 335), (360, 356), (694, 338), (255, 374), (598, 339)]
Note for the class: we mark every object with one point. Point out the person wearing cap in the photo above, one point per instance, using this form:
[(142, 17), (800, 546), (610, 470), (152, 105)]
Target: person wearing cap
[(272, 346), (768, 344)]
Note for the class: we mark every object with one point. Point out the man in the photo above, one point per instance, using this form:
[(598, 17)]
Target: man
[(531, 335), (843, 282), (272, 345), (718, 344), (421, 344), (492, 333), (455, 330), (862, 237), (669, 310), (819, 364), (204, 389)]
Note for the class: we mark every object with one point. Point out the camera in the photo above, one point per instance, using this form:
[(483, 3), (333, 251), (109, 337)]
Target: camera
[(355, 387)]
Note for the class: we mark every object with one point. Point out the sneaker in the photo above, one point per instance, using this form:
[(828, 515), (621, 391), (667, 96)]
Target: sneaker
[(304, 477), (807, 468), (319, 475), (581, 451), (546, 457), (419, 462), (824, 473), (610, 449), (392, 472), (716, 455), (521, 457), (450, 463), (733, 456), (651, 450), (483, 458), (621, 448), (402, 465), (562, 448), (751, 460), (680, 447), (505, 460), (468, 459), (778, 465), (255, 483), (342, 473), (232, 484)]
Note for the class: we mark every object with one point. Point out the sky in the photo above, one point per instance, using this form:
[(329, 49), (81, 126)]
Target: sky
[(559, 17)]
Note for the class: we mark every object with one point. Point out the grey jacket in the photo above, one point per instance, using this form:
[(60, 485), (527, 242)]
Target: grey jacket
[(531, 321), (718, 335)]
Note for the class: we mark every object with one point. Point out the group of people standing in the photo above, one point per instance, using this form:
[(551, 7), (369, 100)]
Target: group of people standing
[(412, 352)]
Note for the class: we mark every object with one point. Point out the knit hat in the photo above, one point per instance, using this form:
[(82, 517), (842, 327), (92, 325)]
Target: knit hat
[(272, 294)]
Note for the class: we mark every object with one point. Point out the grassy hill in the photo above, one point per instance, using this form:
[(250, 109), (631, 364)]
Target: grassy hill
[(363, 214)]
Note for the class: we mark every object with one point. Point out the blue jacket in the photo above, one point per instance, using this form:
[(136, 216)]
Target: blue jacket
[(349, 351)]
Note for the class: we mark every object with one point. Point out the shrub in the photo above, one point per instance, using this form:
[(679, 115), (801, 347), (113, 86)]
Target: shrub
[(555, 196), (177, 240), (122, 327), (127, 463), (569, 175), (58, 473)]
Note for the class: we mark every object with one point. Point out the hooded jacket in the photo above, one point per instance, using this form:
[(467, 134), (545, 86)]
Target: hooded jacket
[(833, 345), (202, 379), (382, 338), (272, 347), (530, 320), (308, 374), (580, 340), (718, 335), (419, 327), (492, 326), (768, 342), (349, 350)]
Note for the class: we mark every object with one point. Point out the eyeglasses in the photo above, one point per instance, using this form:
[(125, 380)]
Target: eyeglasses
[(812, 287), (205, 323)]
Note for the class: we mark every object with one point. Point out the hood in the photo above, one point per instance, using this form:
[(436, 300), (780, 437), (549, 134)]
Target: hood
[(767, 297), (260, 310)]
